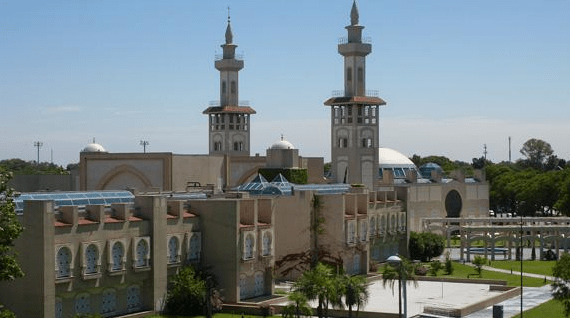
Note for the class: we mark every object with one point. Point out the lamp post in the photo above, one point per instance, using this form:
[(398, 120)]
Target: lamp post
[(144, 143), (396, 261), (522, 264)]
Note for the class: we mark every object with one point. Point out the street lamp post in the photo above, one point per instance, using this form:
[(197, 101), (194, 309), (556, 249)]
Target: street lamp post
[(396, 261)]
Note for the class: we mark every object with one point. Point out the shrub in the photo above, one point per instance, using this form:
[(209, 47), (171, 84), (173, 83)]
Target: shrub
[(479, 261), (448, 264), (435, 266)]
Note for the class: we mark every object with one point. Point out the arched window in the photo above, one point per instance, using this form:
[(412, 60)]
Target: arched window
[(141, 254), (63, 260), (249, 244), (351, 232), (194, 247), (356, 264), (242, 287), (233, 87), (83, 304), (58, 308), (360, 75), (133, 298), (259, 287), (173, 250), (363, 230), (349, 74), (266, 244), (372, 226), (91, 259), (108, 301), (117, 255), (223, 87)]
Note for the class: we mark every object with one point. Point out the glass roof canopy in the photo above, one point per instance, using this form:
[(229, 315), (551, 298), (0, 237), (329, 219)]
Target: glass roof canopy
[(75, 198), (280, 186)]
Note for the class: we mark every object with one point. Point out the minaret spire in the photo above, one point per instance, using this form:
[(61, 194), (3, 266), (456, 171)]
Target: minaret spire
[(229, 34), (354, 14)]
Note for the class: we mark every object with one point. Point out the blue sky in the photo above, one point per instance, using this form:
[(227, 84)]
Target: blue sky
[(456, 74)]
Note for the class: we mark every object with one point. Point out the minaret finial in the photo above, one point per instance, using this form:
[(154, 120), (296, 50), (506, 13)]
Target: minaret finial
[(229, 35), (354, 14), (281, 136)]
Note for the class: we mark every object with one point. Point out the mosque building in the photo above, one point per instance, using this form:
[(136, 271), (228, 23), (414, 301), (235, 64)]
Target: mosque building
[(110, 251)]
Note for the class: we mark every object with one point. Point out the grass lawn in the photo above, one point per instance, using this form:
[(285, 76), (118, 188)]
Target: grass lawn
[(536, 267), (461, 271), (218, 315), (550, 309)]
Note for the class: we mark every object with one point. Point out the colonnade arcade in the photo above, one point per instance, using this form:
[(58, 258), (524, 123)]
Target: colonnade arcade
[(501, 235)]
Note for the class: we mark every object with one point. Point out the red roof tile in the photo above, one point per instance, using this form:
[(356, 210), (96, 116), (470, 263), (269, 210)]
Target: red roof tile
[(229, 109)]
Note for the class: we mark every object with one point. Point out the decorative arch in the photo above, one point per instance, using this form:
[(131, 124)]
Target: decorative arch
[(250, 174), (123, 169)]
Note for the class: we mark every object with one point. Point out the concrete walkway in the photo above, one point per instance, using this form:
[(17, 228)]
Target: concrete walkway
[(532, 296)]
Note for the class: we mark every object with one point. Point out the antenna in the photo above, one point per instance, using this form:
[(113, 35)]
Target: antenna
[(38, 144), (485, 151)]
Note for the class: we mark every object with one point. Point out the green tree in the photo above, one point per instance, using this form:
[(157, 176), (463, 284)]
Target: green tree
[(425, 245), (19, 166), (320, 284), (479, 262), (536, 152), (355, 292), (561, 285), (299, 306), (10, 230), (186, 294)]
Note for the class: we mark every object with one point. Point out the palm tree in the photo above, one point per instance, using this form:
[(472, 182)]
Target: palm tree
[(299, 307), (391, 275), (320, 284), (355, 292)]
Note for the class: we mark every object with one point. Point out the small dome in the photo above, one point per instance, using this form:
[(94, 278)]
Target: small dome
[(282, 144), (427, 168), (93, 147), (391, 158)]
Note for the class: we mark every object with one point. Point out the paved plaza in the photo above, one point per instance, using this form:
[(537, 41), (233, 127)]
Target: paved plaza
[(452, 295)]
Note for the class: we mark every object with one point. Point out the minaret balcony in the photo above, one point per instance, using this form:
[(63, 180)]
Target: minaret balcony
[(358, 49), (228, 65)]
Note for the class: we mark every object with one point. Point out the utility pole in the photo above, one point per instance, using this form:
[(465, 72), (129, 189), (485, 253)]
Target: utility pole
[(509, 149), (38, 144), (144, 143)]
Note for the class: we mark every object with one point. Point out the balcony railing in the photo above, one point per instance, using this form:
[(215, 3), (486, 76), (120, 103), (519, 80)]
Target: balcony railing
[(369, 93), (236, 56), (215, 103), (344, 40)]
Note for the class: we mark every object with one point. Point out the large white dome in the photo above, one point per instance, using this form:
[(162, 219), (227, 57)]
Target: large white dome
[(282, 144), (93, 147), (393, 159)]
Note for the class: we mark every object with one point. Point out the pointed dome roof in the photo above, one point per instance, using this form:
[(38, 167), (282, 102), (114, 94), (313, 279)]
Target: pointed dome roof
[(354, 16), (229, 34)]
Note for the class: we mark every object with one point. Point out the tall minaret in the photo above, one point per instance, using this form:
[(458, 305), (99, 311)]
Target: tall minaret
[(354, 114), (229, 123)]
